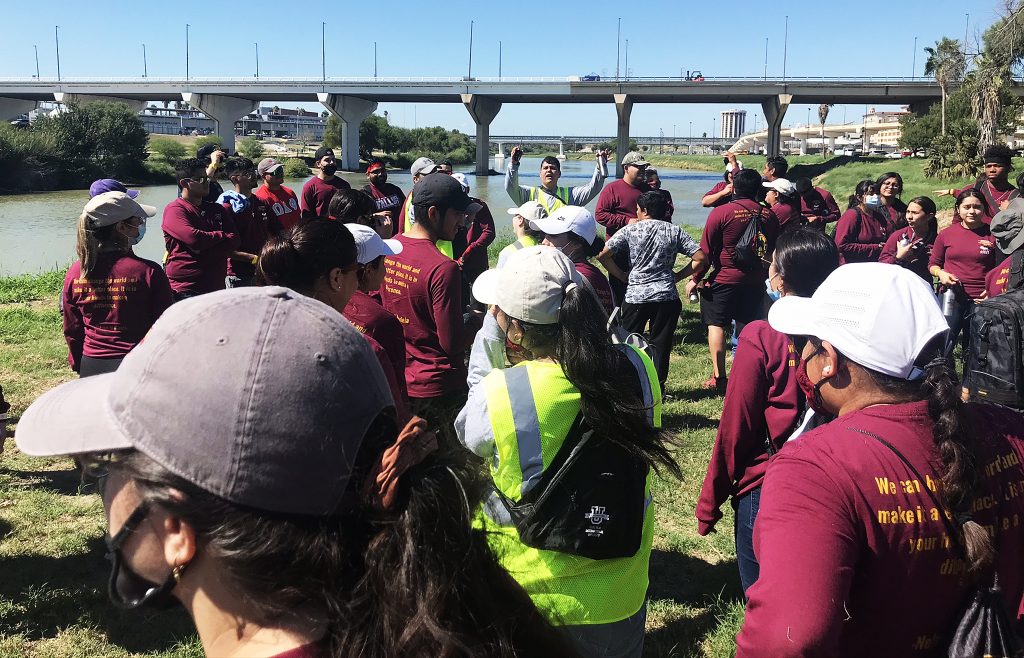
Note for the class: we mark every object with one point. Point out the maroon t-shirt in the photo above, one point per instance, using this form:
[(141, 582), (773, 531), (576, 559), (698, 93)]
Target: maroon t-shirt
[(617, 205), (254, 225), (423, 289), (723, 230), (917, 260), (316, 650), (316, 194), (283, 202), (470, 246), (763, 400), (998, 278), (860, 236), (719, 186), (386, 197), (786, 213), (599, 281), (968, 254), (108, 314), (198, 240), (853, 554), (368, 316), (818, 206)]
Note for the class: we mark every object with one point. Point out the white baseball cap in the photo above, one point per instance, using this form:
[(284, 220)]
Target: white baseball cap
[(576, 219), (782, 186), (462, 180), (531, 285), (531, 210), (880, 316), (113, 207), (370, 246)]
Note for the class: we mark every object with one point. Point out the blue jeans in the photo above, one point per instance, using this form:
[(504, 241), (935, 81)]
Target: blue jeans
[(746, 512)]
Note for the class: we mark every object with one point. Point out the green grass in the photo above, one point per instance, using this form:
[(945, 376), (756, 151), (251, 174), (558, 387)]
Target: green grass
[(52, 596)]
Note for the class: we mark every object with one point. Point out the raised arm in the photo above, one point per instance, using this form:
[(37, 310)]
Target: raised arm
[(583, 194)]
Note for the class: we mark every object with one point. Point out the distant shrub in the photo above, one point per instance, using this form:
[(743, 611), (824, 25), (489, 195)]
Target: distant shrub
[(251, 148), (166, 150), (295, 168)]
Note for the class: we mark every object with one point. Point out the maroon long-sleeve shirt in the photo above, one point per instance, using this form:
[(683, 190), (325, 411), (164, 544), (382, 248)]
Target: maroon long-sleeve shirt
[(198, 239), (254, 225), (763, 401), (423, 289), (368, 316), (852, 551), (471, 246), (722, 231), (617, 205), (860, 236), (818, 206), (998, 278), (108, 314), (967, 254), (917, 260)]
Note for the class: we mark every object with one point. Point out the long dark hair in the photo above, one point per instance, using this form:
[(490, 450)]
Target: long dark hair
[(804, 257), (952, 435), (928, 206), (862, 188), (299, 258), (971, 192), (351, 206), (611, 402), (415, 580)]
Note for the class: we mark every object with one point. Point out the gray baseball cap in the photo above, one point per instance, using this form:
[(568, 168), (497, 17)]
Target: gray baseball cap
[(634, 158), (423, 166), (531, 286), (260, 396)]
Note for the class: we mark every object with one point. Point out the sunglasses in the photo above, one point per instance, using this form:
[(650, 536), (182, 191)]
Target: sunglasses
[(202, 180)]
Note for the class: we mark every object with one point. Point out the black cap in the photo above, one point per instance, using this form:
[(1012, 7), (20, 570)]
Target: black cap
[(440, 190), (206, 150), (321, 152)]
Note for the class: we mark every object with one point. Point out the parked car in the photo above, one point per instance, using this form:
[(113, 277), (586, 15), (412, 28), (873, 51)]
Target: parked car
[(592, 77), (895, 155)]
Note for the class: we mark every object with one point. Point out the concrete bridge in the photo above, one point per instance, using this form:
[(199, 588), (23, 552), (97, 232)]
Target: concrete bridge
[(353, 99)]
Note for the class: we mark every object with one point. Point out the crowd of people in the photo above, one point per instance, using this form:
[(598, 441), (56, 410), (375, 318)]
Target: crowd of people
[(388, 448)]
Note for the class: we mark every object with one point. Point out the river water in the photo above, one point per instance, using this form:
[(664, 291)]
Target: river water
[(37, 231)]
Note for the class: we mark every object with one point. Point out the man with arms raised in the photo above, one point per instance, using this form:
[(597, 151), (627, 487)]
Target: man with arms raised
[(549, 195), (318, 190), (422, 288)]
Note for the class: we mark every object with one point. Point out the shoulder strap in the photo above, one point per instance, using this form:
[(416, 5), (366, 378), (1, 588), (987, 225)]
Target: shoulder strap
[(1016, 277), (953, 536)]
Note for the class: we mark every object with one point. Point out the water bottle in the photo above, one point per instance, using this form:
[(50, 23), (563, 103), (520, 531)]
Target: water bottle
[(950, 307), (694, 297)]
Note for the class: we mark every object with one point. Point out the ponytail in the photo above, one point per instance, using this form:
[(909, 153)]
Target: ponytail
[(90, 241), (950, 432), (611, 403)]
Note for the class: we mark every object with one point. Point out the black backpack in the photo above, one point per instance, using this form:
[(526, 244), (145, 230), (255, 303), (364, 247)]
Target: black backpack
[(751, 251), (993, 370)]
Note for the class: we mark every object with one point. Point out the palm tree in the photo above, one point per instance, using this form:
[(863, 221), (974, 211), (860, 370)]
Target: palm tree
[(947, 63), (822, 117)]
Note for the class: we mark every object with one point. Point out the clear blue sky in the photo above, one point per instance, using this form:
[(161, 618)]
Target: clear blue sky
[(538, 39)]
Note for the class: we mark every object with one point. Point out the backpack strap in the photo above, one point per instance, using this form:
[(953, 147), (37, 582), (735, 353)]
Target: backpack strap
[(1016, 278)]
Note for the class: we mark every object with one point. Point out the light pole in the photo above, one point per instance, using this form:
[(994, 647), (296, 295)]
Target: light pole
[(256, 43), (56, 40), (469, 73), (766, 58), (785, 47), (499, 60), (374, 60), (145, 67), (36, 48), (967, 27), (618, 43), (913, 66), (626, 67), (323, 52), (689, 142), (187, 26)]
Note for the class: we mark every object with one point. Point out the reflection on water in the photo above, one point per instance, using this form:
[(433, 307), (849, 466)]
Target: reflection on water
[(37, 231)]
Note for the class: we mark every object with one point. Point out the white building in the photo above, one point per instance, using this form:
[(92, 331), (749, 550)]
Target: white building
[(734, 123)]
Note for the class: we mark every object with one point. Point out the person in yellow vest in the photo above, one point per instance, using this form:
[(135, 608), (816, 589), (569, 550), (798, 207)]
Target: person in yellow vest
[(549, 194), (569, 398), (525, 235)]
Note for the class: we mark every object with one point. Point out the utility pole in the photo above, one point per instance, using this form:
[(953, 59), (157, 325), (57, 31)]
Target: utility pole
[(56, 39), (257, 44), (323, 51), (627, 60), (689, 144), (37, 60), (499, 60), (145, 68), (374, 60), (618, 42), (967, 28), (913, 67), (469, 73), (766, 58), (187, 26)]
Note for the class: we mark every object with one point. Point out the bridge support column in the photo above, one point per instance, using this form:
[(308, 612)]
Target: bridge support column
[(62, 97), (13, 107), (483, 110), (774, 112), (351, 110), (623, 108), (225, 110)]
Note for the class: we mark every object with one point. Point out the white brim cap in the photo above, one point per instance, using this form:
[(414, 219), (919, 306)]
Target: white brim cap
[(880, 316), (370, 246), (574, 219), (530, 210), (530, 286)]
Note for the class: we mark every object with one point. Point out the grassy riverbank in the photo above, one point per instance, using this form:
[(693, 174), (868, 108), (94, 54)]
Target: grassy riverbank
[(52, 597)]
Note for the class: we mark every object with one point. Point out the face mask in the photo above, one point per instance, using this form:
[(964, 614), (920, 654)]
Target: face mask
[(127, 589), (774, 294), (138, 238), (872, 201), (811, 391), (329, 169)]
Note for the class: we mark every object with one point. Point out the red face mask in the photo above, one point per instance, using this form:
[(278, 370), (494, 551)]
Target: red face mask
[(811, 391)]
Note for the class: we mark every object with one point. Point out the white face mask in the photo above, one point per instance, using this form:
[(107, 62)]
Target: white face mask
[(774, 294), (138, 238), (872, 201)]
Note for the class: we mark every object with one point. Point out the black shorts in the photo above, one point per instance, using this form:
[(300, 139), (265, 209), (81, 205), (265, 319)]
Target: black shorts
[(721, 303)]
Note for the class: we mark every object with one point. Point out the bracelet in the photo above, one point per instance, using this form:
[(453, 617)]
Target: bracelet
[(255, 259)]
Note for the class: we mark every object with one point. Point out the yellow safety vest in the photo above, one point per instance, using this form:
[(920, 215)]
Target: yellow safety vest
[(532, 406), (521, 243), (551, 203)]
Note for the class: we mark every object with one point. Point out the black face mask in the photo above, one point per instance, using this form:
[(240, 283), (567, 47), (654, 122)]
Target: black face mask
[(329, 169), (127, 589)]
